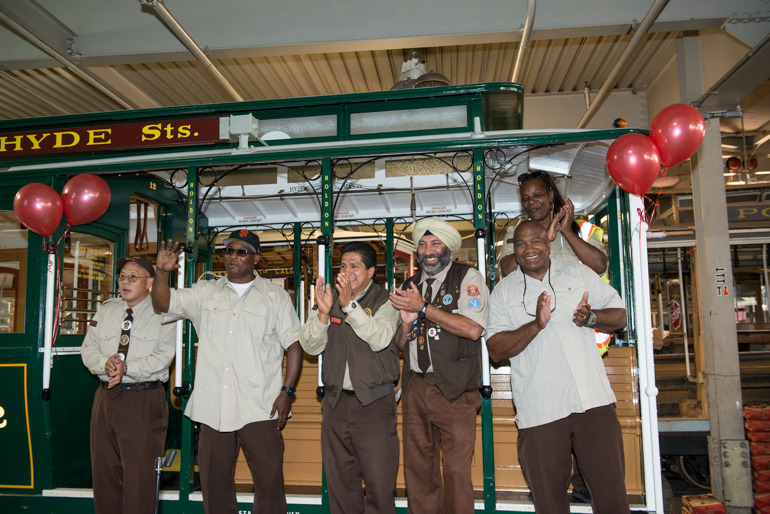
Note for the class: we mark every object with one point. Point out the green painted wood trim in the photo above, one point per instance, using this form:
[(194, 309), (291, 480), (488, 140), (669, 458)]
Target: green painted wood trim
[(479, 191), (297, 258), (488, 447), (309, 104), (186, 469), (625, 218), (287, 152), (327, 214), (390, 256)]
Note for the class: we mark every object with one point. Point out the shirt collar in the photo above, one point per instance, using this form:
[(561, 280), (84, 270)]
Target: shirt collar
[(228, 283), (141, 306), (438, 277), (363, 293)]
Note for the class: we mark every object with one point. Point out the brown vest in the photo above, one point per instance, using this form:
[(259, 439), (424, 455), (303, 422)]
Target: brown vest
[(371, 373), (456, 360)]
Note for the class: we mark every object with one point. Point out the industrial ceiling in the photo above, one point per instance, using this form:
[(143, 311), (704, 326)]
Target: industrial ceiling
[(85, 56)]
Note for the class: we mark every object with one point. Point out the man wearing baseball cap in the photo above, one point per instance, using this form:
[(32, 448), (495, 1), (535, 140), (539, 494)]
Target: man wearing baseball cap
[(240, 399), (130, 350)]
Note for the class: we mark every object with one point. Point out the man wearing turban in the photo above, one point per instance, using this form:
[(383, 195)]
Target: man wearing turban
[(443, 311)]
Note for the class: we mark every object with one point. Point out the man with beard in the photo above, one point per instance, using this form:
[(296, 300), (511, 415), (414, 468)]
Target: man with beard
[(353, 326), (244, 324), (443, 316), (541, 320)]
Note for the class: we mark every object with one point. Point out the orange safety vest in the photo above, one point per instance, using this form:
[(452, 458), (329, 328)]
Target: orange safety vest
[(586, 231)]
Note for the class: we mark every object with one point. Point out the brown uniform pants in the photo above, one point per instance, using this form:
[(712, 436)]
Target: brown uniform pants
[(127, 435), (358, 443), (545, 453), (262, 445), (436, 432)]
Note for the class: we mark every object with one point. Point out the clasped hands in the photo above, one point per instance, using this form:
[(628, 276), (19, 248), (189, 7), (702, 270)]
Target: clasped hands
[(115, 368)]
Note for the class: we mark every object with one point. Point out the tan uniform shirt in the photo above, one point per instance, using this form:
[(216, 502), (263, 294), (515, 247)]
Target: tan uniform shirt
[(241, 342), (560, 372), (560, 248), (474, 307), (150, 350), (376, 331)]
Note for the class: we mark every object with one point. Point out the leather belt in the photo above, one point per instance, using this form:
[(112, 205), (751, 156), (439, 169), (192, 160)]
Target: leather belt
[(135, 386), (428, 377), (349, 392)]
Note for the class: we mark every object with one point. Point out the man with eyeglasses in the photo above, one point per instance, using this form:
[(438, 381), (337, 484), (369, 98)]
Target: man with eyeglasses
[(444, 312), (541, 319), (240, 399), (129, 350)]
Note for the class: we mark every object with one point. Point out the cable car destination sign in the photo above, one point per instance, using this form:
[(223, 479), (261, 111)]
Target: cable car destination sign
[(123, 136)]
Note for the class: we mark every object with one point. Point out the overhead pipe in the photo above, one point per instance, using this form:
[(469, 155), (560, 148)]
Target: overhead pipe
[(45, 47), (517, 69), (191, 45), (641, 31)]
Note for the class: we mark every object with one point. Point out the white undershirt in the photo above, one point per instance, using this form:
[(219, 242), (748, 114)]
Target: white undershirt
[(241, 288)]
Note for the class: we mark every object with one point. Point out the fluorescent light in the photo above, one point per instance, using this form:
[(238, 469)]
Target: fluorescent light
[(761, 173), (727, 174), (738, 183), (762, 141), (603, 220), (729, 146), (549, 164)]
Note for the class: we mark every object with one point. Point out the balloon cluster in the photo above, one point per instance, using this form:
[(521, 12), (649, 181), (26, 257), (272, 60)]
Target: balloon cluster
[(634, 160), (83, 200)]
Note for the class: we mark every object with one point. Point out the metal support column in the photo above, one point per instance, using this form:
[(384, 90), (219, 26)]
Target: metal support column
[(728, 449), (487, 437), (187, 467), (648, 392), (390, 252), (297, 258), (325, 269)]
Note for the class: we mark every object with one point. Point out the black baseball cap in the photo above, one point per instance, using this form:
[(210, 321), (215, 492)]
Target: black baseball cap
[(246, 236), (144, 262)]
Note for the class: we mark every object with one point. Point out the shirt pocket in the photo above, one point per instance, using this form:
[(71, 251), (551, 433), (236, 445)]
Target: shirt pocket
[(257, 321), (214, 315)]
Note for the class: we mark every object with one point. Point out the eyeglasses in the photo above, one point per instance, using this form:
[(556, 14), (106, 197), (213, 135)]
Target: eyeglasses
[(238, 251), (524, 294), (131, 278), (527, 176)]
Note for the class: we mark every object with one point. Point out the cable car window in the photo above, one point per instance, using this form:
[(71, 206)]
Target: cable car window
[(13, 273), (87, 280)]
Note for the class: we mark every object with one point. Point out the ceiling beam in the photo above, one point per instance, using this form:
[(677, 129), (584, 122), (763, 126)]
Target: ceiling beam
[(37, 36), (747, 75)]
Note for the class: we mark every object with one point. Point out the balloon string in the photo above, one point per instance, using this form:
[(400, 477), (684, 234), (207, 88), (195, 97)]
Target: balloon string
[(643, 217), (58, 286)]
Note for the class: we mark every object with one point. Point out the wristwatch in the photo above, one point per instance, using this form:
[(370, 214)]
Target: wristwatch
[(421, 314), (351, 307), (289, 390), (591, 320)]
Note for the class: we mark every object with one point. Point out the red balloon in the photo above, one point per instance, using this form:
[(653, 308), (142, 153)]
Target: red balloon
[(633, 163), (677, 131), (39, 208), (86, 197)]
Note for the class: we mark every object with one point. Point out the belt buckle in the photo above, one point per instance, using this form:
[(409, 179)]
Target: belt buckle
[(430, 378)]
